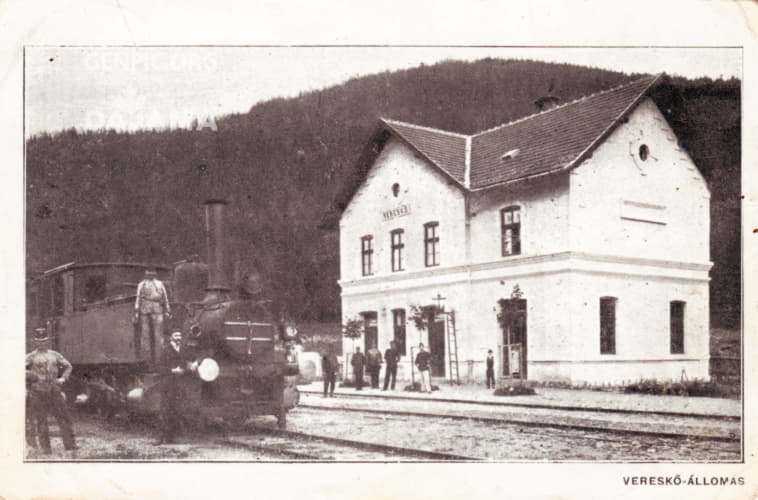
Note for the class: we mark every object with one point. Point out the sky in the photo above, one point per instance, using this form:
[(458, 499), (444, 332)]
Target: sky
[(129, 88)]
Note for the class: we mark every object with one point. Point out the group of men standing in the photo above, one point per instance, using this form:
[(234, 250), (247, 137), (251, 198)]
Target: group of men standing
[(372, 362)]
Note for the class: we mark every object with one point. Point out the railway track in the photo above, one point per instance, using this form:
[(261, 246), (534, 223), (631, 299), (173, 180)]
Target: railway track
[(300, 446), (567, 408), (553, 421)]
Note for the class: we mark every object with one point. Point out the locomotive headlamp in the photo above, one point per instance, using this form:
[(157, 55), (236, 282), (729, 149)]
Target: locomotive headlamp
[(290, 332), (208, 370)]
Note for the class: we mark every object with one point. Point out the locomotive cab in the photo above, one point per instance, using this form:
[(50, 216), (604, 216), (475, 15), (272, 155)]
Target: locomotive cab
[(238, 358)]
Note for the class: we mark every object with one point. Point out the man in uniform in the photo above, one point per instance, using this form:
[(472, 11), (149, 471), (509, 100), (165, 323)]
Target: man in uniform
[(392, 357), (173, 367), (47, 371), (423, 359), (374, 365), (149, 308), (359, 362), (329, 366)]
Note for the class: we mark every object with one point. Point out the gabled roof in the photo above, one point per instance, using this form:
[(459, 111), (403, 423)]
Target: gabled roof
[(553, 140), (446, 150), (556, 139)]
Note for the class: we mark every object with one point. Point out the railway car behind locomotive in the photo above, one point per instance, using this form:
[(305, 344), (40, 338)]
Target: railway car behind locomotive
[(242, 360)]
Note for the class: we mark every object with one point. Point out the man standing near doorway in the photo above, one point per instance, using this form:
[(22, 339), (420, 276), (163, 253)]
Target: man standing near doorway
[(391, 357), (374, 364), (150, 307), (423, 359), (359, 362), (490, 370)]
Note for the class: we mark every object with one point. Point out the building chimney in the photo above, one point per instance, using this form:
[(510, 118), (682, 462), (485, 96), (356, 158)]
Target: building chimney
[(547, 102), (218, 277)]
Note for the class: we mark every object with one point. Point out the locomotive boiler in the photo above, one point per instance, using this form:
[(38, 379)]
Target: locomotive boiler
[(242, 360)]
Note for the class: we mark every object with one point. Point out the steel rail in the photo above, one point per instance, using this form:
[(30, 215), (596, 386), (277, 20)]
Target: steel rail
[(529, 423), (537, 405), (385, 449)]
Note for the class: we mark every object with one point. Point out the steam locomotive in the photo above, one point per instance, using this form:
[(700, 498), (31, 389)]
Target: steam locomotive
[(243, 352)]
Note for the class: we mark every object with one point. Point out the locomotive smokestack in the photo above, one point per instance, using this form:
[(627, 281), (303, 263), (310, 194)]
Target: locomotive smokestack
[(218, 280)]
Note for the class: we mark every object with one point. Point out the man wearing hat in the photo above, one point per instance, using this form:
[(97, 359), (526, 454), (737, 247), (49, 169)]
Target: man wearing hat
[(149, 308), (174, 366), (47, 371)]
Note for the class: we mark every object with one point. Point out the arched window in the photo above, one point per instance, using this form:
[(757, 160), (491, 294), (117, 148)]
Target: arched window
[(367, 254), (431, 244), (676, 319), (608, 325), (510, 221), (396, 238)]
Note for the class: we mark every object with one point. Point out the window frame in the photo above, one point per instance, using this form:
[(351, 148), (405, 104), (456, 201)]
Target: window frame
[(367, 255), (608, 341), (95, 288), (396, 249), (432, 241), (515, 229), (677, 329)]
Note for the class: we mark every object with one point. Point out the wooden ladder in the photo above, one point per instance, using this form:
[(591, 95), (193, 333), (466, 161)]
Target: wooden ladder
[(453, 347)]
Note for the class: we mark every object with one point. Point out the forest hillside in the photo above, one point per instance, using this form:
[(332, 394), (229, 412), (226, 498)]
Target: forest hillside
[(118, 196)]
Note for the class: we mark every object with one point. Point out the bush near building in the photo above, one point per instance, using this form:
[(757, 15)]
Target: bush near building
[(694, 388)]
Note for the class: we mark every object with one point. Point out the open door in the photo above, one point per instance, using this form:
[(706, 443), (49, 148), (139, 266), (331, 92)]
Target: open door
[(514, 353), (370, 330), (437, 345)]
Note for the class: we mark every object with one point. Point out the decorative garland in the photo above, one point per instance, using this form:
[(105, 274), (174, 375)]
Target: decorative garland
[(422, 315)]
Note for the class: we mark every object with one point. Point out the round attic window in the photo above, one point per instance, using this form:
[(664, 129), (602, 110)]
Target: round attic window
[(644, 152), (395, 189)]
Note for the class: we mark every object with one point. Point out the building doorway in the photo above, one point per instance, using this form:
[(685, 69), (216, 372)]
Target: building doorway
[(370, 331), (437, 344), (514, 353)]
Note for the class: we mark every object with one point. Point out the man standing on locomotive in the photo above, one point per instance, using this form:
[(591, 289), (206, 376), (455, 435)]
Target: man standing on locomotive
[(150, 306), (47, 371)]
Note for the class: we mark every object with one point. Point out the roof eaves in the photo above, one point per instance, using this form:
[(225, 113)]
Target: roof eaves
[(389, 121), (519, 179), (467, 171)]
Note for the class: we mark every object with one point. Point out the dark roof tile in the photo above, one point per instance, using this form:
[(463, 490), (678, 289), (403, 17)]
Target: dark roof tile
[(541, 143), (447, 150), (550, 140)]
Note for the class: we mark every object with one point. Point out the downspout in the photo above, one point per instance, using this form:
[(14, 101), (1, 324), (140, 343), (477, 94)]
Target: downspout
[(467, 227)]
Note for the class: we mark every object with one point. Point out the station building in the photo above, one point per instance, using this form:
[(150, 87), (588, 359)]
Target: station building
[(574, 243)]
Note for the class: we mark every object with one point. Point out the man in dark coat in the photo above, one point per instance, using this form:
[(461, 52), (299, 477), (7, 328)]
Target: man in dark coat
[(173, 368), (490, 370), (359, 363), (391, 357), (329, 366), (374, 365), (46, 372)]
